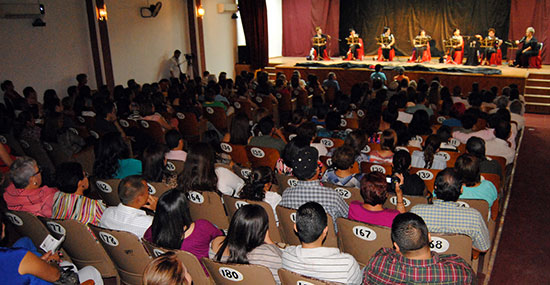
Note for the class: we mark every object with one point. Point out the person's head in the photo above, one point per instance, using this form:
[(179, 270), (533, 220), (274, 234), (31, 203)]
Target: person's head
[(502, 102), (82, 79), (25, 173), (430, 148), (247, 230), (70, 178), (476, 147), (259, 182), (108, 151), (456, 32), (304, 164), (444, 133), (502, 129), (154, 162), (516, 107), (174, 140), (491, 32), (106, 110), (29, 93), (171, 220), (307, 130), (448, 185), (177, 53), (467, 166), (374, 188), (240, 129), (409, 233), (469, 119), (166, 269), (401, 161), (457, 110), (198, 170), (388, 140), (266, 126), (133, 191), (331, 76), (332, 121), (422, 33), (343, 157), (387, 30), (378, 67), (357, 140), (530, 32), (420, 123), (292, 148), (311, 223), (318, 30)]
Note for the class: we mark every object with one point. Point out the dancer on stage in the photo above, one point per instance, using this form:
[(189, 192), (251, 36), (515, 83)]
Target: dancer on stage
[(355, 46), (490, 44), (421, 51), (319, 49), (387, 40), (456, 43), (530, 48)]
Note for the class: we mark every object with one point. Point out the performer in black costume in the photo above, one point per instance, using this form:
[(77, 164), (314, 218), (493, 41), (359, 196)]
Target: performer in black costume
[(489, 51), (320, 49), (530, 48)]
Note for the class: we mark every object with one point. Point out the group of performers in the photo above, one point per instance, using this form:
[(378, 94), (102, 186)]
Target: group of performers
[(481, 50)]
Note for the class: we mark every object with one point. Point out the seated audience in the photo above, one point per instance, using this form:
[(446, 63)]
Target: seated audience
[(500, 145), (239, 132), (344, 171), (154, 165), (284, 164), (173, 228), (444, 134), (311, 258), (427, 158), (106, 119), (332, 127), (248, 241), (112, 158), (309, 188), (446, 216), (147, 110), (258, 187), (166, 269), (26, 193), (388, 142), (516, 114), (71, 202), (420, 104), (412, 185), (175, 143), (476, 147), (270, 136), (411, 254), (309, 130), (54, 132), (374, 192), (467, 166), (128, 216), (456, 112)]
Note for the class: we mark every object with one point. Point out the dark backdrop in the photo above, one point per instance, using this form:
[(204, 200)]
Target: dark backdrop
[(406, 17), (534, 13)]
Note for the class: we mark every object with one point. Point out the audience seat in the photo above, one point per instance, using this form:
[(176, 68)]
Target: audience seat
[(10, 140), (86, 158), (408, 201), (37, 151), (55, 152), (349, 123), (126, 252), (175, 166), (207, 205), (28, 225), (362, 240), (285, 181), (153, 130), (496, 58), (190, 128), (193, 265), (458, 244), (217, 116), (237, 153), (288, 277), (330, 143), (428, 175), (287, 219), (232, 204), (367, 167), (262, 156), (157, 188), (349, 194), (108, 190), (243, 274), (244, 106)]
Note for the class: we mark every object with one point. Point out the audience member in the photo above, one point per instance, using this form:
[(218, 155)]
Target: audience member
[(476, 147), (154, 165), (467, 166), (270, 136), (175, 143), (112, 158), (388, 142), (412, 185), (344, 170), (427, 158), (166, 269), (259, 187)]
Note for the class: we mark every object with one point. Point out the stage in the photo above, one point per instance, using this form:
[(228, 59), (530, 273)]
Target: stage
[(347, 77)]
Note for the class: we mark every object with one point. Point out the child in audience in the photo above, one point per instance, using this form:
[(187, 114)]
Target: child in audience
[(427, 158), (166, 269), (258, 187), (345, 171)]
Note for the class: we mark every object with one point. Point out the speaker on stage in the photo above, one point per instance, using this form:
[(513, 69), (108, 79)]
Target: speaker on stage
[(244, 55)]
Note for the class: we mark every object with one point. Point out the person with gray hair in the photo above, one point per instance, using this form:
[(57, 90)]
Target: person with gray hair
[(128, 216), (25, 192), (530, 48)]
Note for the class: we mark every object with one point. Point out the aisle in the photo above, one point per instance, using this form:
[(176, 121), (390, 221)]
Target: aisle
[(523, 253)]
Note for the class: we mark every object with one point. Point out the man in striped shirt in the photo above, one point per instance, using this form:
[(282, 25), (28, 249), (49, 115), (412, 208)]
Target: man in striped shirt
[(311, 258), (411, 262)]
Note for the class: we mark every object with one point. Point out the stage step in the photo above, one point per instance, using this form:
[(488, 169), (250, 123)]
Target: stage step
[(538, 82), (537, 90), (542, 108), (539, 76), (533, 98)]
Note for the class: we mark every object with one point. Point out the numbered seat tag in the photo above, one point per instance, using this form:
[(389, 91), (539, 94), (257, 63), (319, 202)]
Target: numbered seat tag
[(108, 239), (103, 186), (364, 233), (180, 116), (327, 142), (240, 204), (292, 182), (344, 193), (195, 197), (230, 274), (425, 174), (257, 152), (14, 219), (152, 190), (56, 228), (378, 168), (406, 202), (226, 147), (439, 245)]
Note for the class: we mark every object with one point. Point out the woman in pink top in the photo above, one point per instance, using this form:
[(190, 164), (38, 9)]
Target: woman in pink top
[(26, 192), (173, 228), (374, 193)]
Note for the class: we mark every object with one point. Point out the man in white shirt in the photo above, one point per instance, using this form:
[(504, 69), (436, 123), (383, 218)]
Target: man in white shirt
[(127, 216), (499, 146), (175, 65), (311, 258), (174, 141)]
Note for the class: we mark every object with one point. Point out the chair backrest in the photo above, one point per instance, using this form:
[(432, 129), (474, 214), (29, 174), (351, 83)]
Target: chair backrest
[(86, 158), (157, 188), (349, 123), (285, 181), (288, 277), (330, 143), (56, 153), (408, 201), (349, 194), (108, 190), (207, 205), (458, 244), (127, 124), (175, 166), (262, 156), (501, 160), (232, 204), (82, 246), (126, 251), (367, 167), (217, 116), (287, 219), (449, 156), (245, 274), (36, 150), (480, 205), (188, 125), (428, 175), (243, 106), (153, 129), (237, 152), (193, 265), (28, 225), (12, 142), (362, 240)]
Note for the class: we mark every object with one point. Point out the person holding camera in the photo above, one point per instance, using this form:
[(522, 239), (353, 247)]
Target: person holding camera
[(374, 189), (412, 185)]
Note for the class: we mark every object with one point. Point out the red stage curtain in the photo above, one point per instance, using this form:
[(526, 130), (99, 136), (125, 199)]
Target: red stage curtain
[(300, 19), (254, 19), (531, 13)]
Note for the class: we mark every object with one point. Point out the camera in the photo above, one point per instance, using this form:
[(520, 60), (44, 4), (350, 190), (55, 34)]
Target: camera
[(391, 180), (188, 56)]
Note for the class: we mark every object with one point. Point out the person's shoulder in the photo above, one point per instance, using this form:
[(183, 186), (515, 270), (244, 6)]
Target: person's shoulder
[(456, 262)]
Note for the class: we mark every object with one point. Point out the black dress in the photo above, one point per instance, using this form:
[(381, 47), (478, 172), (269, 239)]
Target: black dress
[(522, 58)]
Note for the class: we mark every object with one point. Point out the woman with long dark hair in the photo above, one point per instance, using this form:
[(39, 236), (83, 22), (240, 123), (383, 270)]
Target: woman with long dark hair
[(112, 158), (154, 165), (427, 158), (173, 227), (239, 133), (258, 187), (420, 124), (248, 241)]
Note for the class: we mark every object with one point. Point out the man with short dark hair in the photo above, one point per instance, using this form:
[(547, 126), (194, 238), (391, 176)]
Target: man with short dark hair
[(446, 216), (270, 136), (175, 143), (500, 145), (420, 101), (175, 65), (476, 147), (311, 258), (128, 216), (309, 188), (411, 261)]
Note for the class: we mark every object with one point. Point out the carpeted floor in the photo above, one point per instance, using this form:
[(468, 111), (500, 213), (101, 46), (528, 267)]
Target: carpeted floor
[(523, 254)]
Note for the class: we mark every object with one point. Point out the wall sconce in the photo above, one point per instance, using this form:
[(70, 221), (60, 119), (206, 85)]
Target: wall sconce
[(102, 13), (200, 11)]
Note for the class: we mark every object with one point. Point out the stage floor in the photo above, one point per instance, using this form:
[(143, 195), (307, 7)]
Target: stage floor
[(507, 71)]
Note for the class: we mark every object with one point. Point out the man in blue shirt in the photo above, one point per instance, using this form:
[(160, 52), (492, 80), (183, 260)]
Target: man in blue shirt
[(378, 74)]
